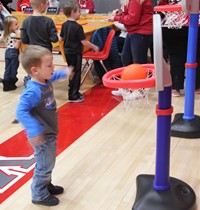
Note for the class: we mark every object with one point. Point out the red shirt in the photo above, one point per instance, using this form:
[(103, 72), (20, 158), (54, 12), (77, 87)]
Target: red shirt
[(86, 4), (22, 3), (137, 17)]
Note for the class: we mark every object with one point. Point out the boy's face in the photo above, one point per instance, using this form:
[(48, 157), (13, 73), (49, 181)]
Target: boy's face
[(45, 70), (76, 15)]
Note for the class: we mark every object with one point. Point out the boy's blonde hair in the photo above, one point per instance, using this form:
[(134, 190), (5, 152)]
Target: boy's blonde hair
[(8, 21), (36, 3), (69, 7), (32, 57)]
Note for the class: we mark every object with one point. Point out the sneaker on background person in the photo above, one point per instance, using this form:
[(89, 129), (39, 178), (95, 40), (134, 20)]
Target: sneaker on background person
[(76, 100), (176, 93), (116, 93), (135, 95)]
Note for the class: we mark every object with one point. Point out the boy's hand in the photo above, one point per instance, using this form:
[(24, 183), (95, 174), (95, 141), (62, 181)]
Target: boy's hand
[(96, 48)]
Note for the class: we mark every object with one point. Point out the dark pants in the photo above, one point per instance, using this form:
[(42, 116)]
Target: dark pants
[(176, 43), (74, 60), (135, 49), (11, 64)]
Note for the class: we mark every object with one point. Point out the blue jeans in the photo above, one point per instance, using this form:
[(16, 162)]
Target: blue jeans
[(135, 49), (11, 64), (45, 157)]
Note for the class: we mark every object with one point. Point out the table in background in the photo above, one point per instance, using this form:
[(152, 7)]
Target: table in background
[(90, 23)]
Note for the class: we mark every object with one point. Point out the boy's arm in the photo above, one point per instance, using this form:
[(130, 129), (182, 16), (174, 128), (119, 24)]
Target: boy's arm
[(28, 100), (23, 35), (68, 72), (90, 45), (53, 32)]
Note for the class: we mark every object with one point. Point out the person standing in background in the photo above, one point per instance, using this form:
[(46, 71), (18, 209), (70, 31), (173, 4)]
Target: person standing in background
[(176, 43), (44, 32), (54, 3), (74, 39), (6, 4), (86, 4), (22, 4), (9, 34), (137, 17), (3, 13)]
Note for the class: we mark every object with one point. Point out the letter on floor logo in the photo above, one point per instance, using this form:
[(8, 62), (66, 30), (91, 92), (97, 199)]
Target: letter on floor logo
[(13, 169)]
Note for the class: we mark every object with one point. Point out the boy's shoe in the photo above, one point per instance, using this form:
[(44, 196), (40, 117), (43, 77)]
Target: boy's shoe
[(55, 190), (80, 95), (76, 100), (51, 200), (116, 93), (176, 93)]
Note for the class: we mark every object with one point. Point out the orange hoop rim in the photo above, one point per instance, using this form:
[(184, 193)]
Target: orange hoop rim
[(168, 8), (108, 80)]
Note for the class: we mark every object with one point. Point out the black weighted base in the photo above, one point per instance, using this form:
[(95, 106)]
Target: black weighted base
[(180, 196), (185, 128)]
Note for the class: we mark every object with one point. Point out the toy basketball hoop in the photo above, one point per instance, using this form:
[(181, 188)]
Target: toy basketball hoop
[(173, 16), (134, 92)]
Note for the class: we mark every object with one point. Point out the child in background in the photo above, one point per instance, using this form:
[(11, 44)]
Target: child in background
[(44, 32), (37, 113), (12, 52), (38, 29), (74, 38)]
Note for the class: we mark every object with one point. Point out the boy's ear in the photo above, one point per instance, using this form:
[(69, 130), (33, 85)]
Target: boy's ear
[(34, 70)]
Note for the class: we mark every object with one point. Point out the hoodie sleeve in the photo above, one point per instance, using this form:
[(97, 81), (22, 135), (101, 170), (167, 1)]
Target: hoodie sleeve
[(28, 100)]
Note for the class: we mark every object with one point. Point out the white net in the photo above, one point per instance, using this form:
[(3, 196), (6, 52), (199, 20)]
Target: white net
[(135, 99), (175, 19)]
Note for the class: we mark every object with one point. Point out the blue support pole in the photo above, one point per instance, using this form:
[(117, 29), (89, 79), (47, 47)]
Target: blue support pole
[(187, 125), (161, 181), (191, 72)]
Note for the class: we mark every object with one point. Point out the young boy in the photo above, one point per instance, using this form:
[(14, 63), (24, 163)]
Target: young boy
[(38, 29), (74, 38), (37, 113)]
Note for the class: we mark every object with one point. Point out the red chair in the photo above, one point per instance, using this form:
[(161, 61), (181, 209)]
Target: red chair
[(97, 56)]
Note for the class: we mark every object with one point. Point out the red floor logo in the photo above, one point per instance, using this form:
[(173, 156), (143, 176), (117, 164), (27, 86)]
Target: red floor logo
[(12, 169)]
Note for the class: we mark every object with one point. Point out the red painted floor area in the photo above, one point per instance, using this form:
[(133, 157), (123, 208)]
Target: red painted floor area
[(74, 121)]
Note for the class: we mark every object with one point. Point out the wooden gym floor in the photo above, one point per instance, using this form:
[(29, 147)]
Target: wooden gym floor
[(98, 168)]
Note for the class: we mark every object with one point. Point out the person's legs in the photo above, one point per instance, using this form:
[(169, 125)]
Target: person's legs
[(139, 47), (45, 156), (176, 43), (126, 55), (74, 83), (7, 72), (14, 66)]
